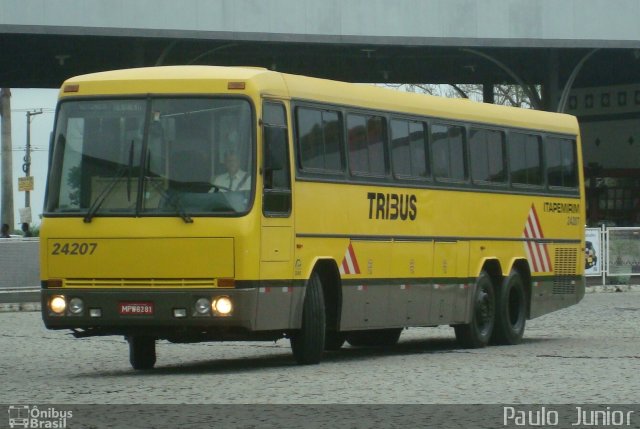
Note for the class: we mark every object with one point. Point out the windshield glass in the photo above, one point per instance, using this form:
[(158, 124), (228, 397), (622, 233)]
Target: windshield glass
[(140, 157)]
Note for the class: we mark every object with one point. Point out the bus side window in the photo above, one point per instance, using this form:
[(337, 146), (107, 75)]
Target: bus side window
[(449, 152), (366, 134), (525, 159), (562, 161), (488, 162), (277, 179)]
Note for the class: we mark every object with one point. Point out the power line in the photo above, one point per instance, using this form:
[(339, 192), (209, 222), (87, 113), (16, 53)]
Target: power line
[(43, 109), (33, 149)]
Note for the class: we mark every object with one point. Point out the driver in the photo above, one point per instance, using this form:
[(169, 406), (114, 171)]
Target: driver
[(234, 179)]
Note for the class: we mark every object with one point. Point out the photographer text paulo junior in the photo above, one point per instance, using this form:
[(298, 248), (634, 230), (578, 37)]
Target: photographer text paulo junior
[(579, 416)]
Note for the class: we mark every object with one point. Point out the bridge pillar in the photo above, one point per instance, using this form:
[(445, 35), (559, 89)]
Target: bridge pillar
[(488, 95), (551, 84)]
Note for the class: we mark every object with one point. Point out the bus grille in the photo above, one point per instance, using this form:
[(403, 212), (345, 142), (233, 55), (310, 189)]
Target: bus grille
[(139, 283), (565, 271)]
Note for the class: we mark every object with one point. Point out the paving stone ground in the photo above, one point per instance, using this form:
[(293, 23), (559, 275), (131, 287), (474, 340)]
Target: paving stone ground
[(584, 354)]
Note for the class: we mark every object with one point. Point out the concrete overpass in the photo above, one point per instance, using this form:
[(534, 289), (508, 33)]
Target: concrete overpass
[(590, 45), (420, 41)]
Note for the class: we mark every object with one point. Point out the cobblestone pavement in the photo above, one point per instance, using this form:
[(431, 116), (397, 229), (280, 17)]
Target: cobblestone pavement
[(589, 353)]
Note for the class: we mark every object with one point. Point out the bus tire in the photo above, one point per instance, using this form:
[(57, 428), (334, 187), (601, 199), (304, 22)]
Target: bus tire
[(478, 333), (307, 343), (374, 337), (142, 352), (511, 311)]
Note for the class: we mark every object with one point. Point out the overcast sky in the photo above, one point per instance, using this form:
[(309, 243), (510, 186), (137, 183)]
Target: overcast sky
[(23, 100)]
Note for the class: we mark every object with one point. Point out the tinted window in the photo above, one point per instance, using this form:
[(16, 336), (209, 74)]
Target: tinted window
[(409, 149), (275, 115), (366, 144), (487, 156), (198, 157), (319, 140), (525, 160), (561, 162), (448, 150), (276, 199)]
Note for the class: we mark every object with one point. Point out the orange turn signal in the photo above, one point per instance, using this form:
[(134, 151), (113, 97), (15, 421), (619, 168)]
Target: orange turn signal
[(226, 283), (236, 85), (72, 87), (53, 283)]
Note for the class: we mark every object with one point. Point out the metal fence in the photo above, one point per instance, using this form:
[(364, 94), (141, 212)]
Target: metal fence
[(19, 262), (613, 253)]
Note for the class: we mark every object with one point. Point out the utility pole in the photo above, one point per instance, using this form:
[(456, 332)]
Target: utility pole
[(26, 167), (7, 164)]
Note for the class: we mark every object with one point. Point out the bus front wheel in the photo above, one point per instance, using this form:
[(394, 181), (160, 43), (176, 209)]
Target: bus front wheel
[(142, 352), (478, 333), (307, 343), (511, 311)]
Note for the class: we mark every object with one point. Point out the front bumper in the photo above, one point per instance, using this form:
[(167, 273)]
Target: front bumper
[(162, 323)]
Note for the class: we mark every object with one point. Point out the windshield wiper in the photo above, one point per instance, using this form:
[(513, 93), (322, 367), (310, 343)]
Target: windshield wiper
[(103, 195), (172, 200)]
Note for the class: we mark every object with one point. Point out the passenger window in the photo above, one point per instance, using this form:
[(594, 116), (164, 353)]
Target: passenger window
[(366, 136), (488, 163), (525, 159), (562, 162), (448, 150), (319, 136), (409, 149)]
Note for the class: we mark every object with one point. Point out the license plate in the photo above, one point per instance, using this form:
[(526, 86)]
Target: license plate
[(136, 308)]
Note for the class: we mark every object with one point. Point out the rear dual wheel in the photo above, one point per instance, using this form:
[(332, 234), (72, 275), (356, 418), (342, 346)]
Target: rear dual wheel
[(478, 333), (511, 314), (499, 317)]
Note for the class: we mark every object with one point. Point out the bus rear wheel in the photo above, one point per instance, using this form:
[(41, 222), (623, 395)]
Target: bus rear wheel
[(307, 343), (142, 352), (478, 333), (511, 311)]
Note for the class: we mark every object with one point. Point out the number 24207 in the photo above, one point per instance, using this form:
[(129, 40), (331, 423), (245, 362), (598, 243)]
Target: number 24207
[(74, 248)]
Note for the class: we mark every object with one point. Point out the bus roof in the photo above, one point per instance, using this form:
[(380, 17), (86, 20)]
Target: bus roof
[(211, 79), (387, 99), (172, 73)]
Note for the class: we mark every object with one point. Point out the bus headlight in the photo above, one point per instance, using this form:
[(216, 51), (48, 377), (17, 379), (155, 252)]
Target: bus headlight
[(76, 306), (202, 306), (58, 304), (222, 306)]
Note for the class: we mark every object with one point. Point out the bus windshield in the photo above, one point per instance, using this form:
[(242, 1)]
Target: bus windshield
[(152, 157)]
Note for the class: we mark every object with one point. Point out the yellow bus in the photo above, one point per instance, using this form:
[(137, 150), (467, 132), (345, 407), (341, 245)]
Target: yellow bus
[(196, 203)]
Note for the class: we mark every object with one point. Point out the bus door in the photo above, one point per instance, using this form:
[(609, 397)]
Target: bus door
[(276, 241)]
